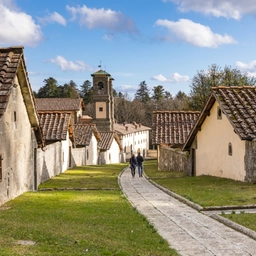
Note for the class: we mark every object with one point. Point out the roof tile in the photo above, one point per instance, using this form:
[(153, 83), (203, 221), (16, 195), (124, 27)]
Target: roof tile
[(239, 105), (54, 125), (83, 134), (9, 61), (59, 104), (172, 127)]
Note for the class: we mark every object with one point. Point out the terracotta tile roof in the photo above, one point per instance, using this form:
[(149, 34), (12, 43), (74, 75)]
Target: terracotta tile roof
[(129, 128), (107, 139), (239, 106), (83, 134), (59, 104), (9, 62), (172, 127), (12, 64), (55, 126)]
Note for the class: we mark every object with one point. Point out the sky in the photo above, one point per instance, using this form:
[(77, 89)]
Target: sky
[(161, 42)]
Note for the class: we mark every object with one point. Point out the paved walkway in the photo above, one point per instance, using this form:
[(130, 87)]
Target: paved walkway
[(186, 230)]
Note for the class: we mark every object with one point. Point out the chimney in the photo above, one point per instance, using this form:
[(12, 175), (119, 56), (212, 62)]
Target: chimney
[(126, 128), (139, 124), (136, 126)]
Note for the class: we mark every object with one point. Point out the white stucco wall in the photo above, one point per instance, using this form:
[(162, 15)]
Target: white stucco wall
[(212, 156), (49, 162), (92, 154), (79, 156), (17, 143), (112, 156), (66, 146)]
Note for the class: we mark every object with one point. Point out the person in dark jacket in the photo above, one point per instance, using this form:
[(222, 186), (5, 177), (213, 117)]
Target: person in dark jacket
[(140, 160), (133, 164)]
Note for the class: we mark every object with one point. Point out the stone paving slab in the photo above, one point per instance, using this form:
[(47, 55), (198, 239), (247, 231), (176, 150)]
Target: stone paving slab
[(187, 230)]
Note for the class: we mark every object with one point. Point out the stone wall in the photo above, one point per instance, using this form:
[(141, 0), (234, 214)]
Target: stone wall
[(17, 143), (250, 161), (172, 159)]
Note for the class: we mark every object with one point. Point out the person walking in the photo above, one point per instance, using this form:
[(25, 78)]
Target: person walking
[(133, 164), (140, 160)]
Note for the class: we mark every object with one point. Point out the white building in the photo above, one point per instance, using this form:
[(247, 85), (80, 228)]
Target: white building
[(134, 138)]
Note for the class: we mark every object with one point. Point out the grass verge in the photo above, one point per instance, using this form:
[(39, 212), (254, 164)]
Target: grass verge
[(203, 190), (247, 220), (72, 222)]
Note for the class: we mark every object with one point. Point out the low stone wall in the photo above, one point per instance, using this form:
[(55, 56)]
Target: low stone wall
[(250, 161), (172, 159)]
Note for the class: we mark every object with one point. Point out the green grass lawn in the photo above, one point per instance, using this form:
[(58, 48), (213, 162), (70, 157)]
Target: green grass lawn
[(203, 190), (78, 222), (91, 177)]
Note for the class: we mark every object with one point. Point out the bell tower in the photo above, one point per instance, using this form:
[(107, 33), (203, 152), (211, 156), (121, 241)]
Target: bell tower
[(103, 101)]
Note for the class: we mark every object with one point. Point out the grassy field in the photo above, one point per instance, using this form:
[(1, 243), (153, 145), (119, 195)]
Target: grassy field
[(203, 190), (78, 222)]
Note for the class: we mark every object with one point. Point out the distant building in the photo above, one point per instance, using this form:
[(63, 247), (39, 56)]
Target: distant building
[(133, 138)]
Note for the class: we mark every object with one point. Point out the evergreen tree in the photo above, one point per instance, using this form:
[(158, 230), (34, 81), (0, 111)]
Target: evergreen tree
[(158, 93), (86, 92), (69, 90), (49, 90), (142, 93)]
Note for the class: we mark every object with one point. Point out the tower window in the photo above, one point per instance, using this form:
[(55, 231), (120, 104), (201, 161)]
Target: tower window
[(101, 109), (100, 88)]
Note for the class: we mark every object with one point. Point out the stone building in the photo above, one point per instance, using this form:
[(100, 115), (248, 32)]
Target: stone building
[(20, 132)]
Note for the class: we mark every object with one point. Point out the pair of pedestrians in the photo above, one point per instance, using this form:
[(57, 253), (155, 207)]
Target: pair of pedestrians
[(136, 162)]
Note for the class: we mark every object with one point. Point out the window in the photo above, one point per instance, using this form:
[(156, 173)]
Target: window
[(101, 109), (87, 154), (219, 113), (15, 119), (1, 166), (230, 151)]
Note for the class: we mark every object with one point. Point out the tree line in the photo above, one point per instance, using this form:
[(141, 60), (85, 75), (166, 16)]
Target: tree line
[(146, 101)]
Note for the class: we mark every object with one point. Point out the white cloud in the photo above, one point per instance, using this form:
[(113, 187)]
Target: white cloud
[(234, 9), (18, 28), (102, 18), (66, 65), (174, 78), (195, 33), (250, 67), (52, 18)]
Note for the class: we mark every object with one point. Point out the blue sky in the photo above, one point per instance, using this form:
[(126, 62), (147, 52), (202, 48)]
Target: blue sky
[(162, 42)]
